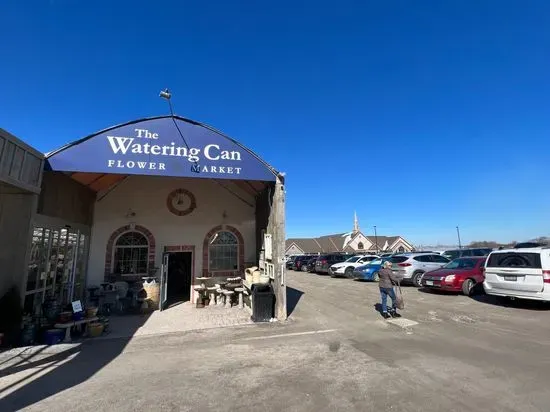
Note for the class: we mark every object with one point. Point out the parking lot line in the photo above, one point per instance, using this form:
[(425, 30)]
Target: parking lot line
[(402, 322), (284, 335)]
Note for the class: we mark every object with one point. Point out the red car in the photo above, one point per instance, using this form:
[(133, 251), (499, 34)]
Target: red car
[(460, 275)]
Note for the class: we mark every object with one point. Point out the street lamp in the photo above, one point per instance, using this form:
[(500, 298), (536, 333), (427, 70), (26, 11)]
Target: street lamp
[(458, 234), (376, 239)]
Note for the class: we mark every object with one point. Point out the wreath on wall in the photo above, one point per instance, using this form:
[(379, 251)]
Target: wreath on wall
[(181, 202)]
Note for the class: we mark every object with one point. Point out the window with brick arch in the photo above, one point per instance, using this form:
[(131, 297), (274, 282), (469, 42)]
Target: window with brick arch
[(360, 246), (223, 252), (401, 249), (131, 254)]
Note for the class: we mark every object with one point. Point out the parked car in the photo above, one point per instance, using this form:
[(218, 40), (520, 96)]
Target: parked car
[(519, 273), (346, 267), (324, 262), (299, 261), (412, 266), (524, 245), (310, 266), (458, 253), (290, 262), (464, 275), (370, 270)]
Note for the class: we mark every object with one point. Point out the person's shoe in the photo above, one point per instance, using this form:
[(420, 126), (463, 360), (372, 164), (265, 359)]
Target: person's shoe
[(385, 315), (394, 314)]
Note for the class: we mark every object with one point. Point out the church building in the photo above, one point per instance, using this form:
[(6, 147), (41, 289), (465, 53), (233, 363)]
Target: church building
[(351, 242)]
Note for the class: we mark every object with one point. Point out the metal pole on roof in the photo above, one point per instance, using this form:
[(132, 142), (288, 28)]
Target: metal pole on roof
[(458, 234), (376, 239), (166, 95)]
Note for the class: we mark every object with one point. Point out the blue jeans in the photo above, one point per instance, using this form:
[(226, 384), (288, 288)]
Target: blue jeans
[(384, 293)]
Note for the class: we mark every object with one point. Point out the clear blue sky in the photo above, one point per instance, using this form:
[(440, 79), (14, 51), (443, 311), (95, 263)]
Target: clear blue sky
[(420, 115)]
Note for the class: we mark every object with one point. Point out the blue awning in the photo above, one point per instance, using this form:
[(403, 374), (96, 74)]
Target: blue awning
[(155, 147)]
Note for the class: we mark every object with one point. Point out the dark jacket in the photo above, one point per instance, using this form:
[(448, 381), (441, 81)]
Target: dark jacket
[(386, 278)]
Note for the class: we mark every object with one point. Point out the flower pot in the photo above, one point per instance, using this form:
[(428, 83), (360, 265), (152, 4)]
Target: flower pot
[(95, 329), (91, 312)]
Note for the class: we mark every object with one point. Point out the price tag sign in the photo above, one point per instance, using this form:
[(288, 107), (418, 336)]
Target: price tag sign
[(77, 306)]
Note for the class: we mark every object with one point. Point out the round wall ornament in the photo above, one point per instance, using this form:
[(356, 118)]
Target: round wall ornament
[(181, 202)]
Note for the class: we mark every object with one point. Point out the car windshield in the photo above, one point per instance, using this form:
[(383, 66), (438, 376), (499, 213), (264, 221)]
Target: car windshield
[(376, 262), (461, 264), (452, 254), (353, 259)]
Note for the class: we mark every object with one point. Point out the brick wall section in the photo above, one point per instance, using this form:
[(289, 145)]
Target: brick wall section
[(235, 231), (114, 236)]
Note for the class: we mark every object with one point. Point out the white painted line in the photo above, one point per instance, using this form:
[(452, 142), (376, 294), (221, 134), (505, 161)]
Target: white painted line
[(402, 322), (283, 335)]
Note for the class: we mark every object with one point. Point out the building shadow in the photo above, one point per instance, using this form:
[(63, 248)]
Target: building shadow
[(54, 370), (522, 304), (292, 298)]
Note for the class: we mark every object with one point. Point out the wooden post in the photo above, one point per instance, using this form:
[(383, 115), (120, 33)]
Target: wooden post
[(277, 229)]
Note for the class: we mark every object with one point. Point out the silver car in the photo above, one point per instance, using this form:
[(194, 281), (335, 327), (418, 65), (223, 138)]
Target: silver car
[(412, 266)]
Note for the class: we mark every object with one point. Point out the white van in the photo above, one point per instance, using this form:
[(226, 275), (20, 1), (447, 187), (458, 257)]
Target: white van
[(519, 273)]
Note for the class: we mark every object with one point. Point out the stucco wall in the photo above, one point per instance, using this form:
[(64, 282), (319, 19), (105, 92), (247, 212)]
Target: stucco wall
[(294, 250), (354, 244), (146, 196)]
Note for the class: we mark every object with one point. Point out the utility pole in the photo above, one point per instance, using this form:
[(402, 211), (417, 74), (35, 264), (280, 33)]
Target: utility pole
[(376, 239), (458, 234)]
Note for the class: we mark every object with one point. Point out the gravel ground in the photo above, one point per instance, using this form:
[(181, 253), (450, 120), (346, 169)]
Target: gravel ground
[(336, 353)]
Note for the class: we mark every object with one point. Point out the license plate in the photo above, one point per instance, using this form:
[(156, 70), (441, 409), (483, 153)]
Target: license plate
[(511, 278), (429, 282)]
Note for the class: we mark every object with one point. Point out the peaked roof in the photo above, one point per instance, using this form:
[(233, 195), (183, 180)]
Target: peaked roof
[(162, 146), (335, 243)]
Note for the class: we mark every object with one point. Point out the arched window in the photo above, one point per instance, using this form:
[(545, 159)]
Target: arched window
[(131, 254), (360, 246), (223, 252), (401, 249)]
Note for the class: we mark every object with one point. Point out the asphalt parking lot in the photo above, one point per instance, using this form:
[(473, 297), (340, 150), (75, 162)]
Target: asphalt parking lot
[(462, 354), (335, 353)]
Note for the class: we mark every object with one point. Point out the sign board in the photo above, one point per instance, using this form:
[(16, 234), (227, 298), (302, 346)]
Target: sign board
[(268, 245), (156, 147), (77, 306)]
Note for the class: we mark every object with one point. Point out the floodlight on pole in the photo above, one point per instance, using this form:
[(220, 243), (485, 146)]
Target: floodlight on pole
[(166, 95)]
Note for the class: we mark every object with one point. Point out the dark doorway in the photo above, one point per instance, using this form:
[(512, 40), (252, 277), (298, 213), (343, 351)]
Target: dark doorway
[(179, 277)]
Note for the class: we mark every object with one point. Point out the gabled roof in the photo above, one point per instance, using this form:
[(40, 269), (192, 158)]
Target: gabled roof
[(161, 146), (307, 245), (335, 243)]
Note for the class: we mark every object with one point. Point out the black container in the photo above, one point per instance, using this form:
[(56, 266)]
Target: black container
[(263, 302)]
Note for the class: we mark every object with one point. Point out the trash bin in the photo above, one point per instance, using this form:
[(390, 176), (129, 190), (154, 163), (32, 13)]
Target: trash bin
[(263, 302)]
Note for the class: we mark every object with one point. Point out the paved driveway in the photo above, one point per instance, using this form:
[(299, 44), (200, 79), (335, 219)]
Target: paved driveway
[(334, 354)]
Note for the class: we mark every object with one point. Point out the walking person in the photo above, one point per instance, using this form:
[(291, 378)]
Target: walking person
[(386, 282)]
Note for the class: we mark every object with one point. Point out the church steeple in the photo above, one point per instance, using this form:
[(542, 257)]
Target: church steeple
[(355, 223)]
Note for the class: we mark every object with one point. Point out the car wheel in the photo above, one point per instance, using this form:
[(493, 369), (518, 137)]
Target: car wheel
[(304, 268), (376, 277), (417, 279), (349, 272), (468, 287)]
